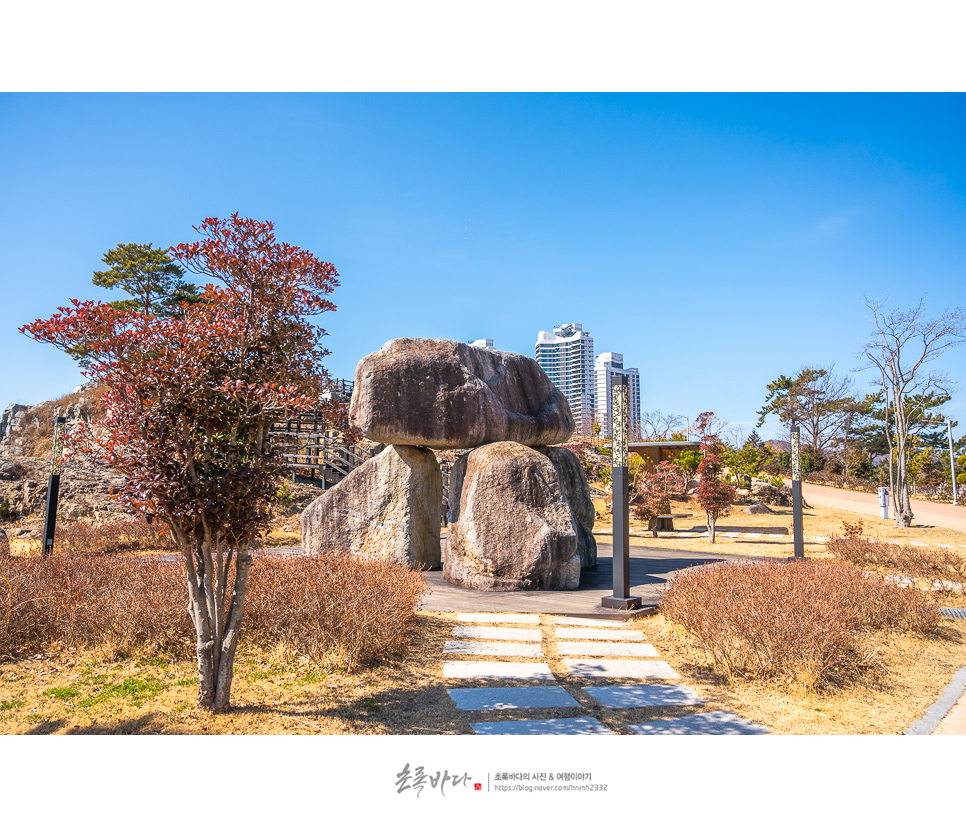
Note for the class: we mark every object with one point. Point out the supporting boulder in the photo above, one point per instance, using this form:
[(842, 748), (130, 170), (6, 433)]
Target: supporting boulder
[(386, 509), (576, 491), (511, 528), (448, 395)]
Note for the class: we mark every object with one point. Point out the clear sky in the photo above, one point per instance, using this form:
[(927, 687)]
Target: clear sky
[(716, 240)]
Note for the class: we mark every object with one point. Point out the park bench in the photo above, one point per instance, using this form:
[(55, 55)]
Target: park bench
[(665, 522)]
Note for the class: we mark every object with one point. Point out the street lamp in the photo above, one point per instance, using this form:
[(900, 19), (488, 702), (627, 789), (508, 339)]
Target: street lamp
[(53, 486), (620, 408), (796, 439), (952, 456)]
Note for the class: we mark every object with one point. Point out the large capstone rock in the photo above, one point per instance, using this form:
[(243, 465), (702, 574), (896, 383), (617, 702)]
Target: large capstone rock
[(448, 395), (386, 509), (511, 528), (576, 492)]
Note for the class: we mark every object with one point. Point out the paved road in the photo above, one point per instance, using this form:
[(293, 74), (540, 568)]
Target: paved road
[(650, 569), (925, 513)]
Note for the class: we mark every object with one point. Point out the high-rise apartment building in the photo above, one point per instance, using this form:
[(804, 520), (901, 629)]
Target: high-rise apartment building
[(567, 357), (607, 366)]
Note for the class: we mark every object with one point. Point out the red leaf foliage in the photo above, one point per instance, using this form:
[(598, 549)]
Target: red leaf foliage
[(190, 399), (713, 495)]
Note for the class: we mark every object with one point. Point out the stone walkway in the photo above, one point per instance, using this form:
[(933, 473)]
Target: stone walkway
[(553, 695)]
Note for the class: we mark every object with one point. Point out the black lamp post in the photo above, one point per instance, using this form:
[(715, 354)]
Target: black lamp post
[(796, 438), (621, 599), (53, 486)]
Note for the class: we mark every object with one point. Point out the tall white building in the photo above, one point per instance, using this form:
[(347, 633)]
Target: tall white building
[(567, 357), (607, 366)]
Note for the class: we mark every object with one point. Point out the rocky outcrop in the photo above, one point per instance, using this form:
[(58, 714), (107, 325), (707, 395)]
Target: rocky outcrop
[(85, 490), (10, 419), (448, 395), (511, 528), (386, 509)]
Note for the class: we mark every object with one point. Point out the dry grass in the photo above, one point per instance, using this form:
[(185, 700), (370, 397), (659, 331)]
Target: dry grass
[(135, 536), (84, 692), (281, 689), (274, 693), (818, 523), (911, 673)]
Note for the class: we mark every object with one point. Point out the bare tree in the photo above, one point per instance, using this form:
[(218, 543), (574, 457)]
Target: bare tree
[(658, 426), (902, 344)]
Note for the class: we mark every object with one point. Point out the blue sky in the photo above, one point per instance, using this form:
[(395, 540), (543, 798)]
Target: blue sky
[(716, 240)]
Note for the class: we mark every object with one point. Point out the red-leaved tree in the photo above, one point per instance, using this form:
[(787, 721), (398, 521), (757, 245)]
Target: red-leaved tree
[(713, 495), (190, 402)]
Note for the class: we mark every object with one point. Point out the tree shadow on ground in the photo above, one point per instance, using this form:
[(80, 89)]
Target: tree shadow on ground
[(148, 724)]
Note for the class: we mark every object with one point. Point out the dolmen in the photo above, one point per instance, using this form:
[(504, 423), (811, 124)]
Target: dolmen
[(519, 509)]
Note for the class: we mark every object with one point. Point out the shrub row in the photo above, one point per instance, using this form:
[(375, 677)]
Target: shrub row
[(84, 539), (944, 567), (91, 602), (353, 609), (796, 621)]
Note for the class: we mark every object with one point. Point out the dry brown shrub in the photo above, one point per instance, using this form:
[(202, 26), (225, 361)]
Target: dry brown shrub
[(84, 539), (354, 609), (942, 567), (4, 546), (797, 621), (852, 530), (91, 602), (357, 609)]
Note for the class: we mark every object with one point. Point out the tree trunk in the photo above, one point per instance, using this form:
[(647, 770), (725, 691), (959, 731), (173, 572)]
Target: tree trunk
[(904, 511), (711, 521), (226, 668), (216, 632)]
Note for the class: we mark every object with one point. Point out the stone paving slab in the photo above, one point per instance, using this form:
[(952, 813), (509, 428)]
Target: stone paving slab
[(721, 723), (531, 619), (620, 669), (512, 697), (506, 649), (753, 535), (489, 633), (588, 621), (497, 669), (596, 634), (731, 535), (646, 695), (545, 727), (608, 649)]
